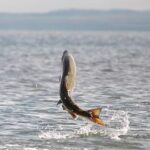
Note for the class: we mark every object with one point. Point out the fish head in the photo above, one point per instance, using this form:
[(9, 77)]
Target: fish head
[(65, 53)]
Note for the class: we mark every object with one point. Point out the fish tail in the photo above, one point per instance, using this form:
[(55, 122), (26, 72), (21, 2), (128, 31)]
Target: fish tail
[(95, 116)]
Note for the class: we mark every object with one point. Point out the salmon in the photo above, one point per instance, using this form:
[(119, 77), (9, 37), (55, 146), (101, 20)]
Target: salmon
[(67, 84)]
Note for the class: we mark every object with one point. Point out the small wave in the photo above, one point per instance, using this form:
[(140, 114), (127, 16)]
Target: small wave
[(117, 125), (16, 146), (30, 148)]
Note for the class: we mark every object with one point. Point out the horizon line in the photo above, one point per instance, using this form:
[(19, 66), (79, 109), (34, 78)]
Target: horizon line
[(78, 9)]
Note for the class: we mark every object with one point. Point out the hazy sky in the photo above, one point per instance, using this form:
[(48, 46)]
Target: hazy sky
[(49, 5)]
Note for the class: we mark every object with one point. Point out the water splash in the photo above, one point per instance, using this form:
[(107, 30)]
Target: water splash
[(53, 135), (117, 125)]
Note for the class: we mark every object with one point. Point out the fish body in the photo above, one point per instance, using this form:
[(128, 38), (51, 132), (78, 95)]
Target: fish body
[(68, 76), (67, 85)]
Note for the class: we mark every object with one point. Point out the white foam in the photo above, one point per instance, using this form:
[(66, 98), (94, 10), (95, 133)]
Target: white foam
[(84, 130), (117, 125), (53, 135)]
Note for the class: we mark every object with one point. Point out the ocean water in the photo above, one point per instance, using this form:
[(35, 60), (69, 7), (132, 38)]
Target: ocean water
[(113, 72)]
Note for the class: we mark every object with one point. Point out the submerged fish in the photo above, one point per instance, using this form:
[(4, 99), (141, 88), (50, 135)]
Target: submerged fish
[(67, 85)]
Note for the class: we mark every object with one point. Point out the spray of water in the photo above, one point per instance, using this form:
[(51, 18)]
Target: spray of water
[(117, 125)]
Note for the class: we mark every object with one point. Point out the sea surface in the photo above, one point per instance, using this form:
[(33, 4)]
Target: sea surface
[(113, 72)]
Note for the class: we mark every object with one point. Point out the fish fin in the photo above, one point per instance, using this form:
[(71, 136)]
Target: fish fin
[(95, 116), (95, 112), (64, 108), (98, 121), (59, 102), (72, 114)]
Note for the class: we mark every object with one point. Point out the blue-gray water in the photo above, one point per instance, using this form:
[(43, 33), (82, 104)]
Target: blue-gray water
[(113, 72)]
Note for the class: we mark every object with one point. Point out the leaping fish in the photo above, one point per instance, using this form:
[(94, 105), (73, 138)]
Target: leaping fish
[(67, 84)]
